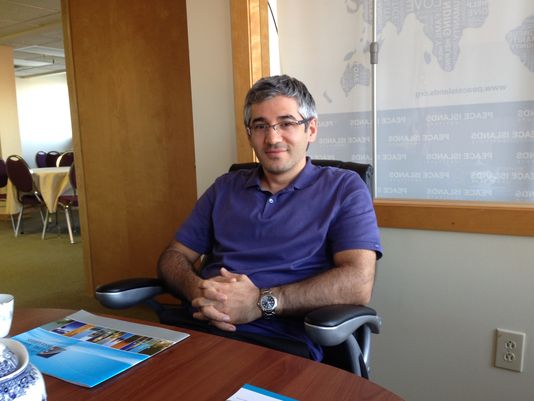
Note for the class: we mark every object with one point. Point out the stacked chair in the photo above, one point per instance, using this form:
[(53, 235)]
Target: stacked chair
[(65, 159), (51, 158), (40, 159)]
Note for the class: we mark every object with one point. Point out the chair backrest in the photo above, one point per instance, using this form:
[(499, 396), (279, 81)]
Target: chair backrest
[(19, 173), (72, 177), (51, 158), (364, 170), (40, 159), (65, 159), (3, 173)]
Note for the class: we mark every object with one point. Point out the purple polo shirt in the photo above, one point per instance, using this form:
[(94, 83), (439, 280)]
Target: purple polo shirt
[(282, 238)]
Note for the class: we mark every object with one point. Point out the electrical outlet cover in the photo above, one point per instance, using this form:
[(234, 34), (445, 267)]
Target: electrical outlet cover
[(509, 351)]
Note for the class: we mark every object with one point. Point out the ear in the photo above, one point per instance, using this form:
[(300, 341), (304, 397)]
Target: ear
[(312, 130)]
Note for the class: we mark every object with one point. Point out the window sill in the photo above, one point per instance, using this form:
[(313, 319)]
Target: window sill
[(471, 217)]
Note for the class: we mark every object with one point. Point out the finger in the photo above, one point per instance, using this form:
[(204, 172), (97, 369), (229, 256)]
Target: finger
[(213, 314), (214, 295), (222, 279), (202, 302), (228, 274), (223, 326), (216, 281), (206, 283), (199, 316)]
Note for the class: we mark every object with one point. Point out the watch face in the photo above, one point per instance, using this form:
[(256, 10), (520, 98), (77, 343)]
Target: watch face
[(268, 302)]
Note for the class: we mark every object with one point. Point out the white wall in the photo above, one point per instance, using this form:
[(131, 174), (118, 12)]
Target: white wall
[(442, 295), (9, 125), (210, 53), (44, 115)]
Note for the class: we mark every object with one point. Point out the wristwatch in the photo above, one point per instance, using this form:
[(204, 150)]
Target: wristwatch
[(267, 303)]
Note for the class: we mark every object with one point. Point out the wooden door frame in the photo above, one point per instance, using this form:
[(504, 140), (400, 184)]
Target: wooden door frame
[(250, 57)]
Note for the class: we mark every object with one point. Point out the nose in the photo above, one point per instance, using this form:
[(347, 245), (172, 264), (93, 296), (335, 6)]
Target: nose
[(272, 135)]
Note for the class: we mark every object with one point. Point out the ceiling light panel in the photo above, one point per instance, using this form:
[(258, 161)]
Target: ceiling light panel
[(48, 51), (30, 63)]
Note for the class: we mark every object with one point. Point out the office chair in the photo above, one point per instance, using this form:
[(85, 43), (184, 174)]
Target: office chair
[(344, 331)]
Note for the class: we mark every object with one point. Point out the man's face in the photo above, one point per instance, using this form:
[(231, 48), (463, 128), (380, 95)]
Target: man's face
[(281, 152)]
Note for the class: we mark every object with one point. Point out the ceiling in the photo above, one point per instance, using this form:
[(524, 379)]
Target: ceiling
[(34, 30)]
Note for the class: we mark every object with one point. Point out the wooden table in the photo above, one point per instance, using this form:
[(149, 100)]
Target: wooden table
[(210, 368)]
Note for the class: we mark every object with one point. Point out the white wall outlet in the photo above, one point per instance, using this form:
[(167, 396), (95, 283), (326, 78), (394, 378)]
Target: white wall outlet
[(510, 350)]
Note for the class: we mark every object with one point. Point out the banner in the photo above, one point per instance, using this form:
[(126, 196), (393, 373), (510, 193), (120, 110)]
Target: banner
[(455, 92)]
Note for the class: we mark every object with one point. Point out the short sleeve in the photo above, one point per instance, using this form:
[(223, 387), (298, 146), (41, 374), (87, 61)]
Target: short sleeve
[(196, 232), (355, 225)]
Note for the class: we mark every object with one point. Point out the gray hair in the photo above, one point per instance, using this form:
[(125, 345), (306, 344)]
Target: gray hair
[(280, 85)]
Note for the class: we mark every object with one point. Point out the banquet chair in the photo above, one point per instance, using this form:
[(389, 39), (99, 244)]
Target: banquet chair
[(51, 158), (40, 159), (344, 331), (27, 194), (3, 184), (3, 176), (70, 202), (65, 159)]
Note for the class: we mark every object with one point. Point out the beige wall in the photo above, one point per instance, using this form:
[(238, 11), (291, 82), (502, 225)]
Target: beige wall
[(9, 123), (210, 55), (442, 295)]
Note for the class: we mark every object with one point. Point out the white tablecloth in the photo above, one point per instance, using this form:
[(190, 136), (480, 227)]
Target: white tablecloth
[(51, 183)]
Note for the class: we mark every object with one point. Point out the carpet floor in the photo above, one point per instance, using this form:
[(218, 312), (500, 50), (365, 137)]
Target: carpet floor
[(49, 273)]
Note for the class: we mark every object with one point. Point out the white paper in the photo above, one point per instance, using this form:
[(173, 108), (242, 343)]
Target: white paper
[(252, 393)]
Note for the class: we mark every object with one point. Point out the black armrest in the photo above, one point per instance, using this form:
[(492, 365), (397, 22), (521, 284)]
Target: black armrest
[(332, 325), (129, 292), (349, 324)]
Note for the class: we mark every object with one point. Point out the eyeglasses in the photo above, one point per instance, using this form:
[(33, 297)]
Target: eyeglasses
[(283, 127)]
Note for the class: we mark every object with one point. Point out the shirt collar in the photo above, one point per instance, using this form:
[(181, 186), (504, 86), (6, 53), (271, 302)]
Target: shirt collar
[(305, 178)]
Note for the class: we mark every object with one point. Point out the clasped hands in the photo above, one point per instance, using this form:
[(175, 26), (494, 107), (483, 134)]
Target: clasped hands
[(226, 300)]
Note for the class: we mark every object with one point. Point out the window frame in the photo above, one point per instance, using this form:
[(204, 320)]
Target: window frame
[(457, 216)]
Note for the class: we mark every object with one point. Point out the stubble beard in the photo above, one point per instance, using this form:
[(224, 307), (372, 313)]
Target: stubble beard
[(277, 167)]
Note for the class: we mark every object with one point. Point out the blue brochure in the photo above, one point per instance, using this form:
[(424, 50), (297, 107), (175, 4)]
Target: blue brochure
[(86, 349)]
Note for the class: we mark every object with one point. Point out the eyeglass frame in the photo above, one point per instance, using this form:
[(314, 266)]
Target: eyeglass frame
[(276, 126)]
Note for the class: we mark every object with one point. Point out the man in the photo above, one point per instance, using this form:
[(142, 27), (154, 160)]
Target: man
[(282, 239)]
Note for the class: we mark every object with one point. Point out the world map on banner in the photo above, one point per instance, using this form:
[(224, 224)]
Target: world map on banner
[(444, 22), (455, 106), (521, 41)]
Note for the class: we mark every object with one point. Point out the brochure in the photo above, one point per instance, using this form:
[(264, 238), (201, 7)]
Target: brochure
[(252, 393), (87, 349)]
